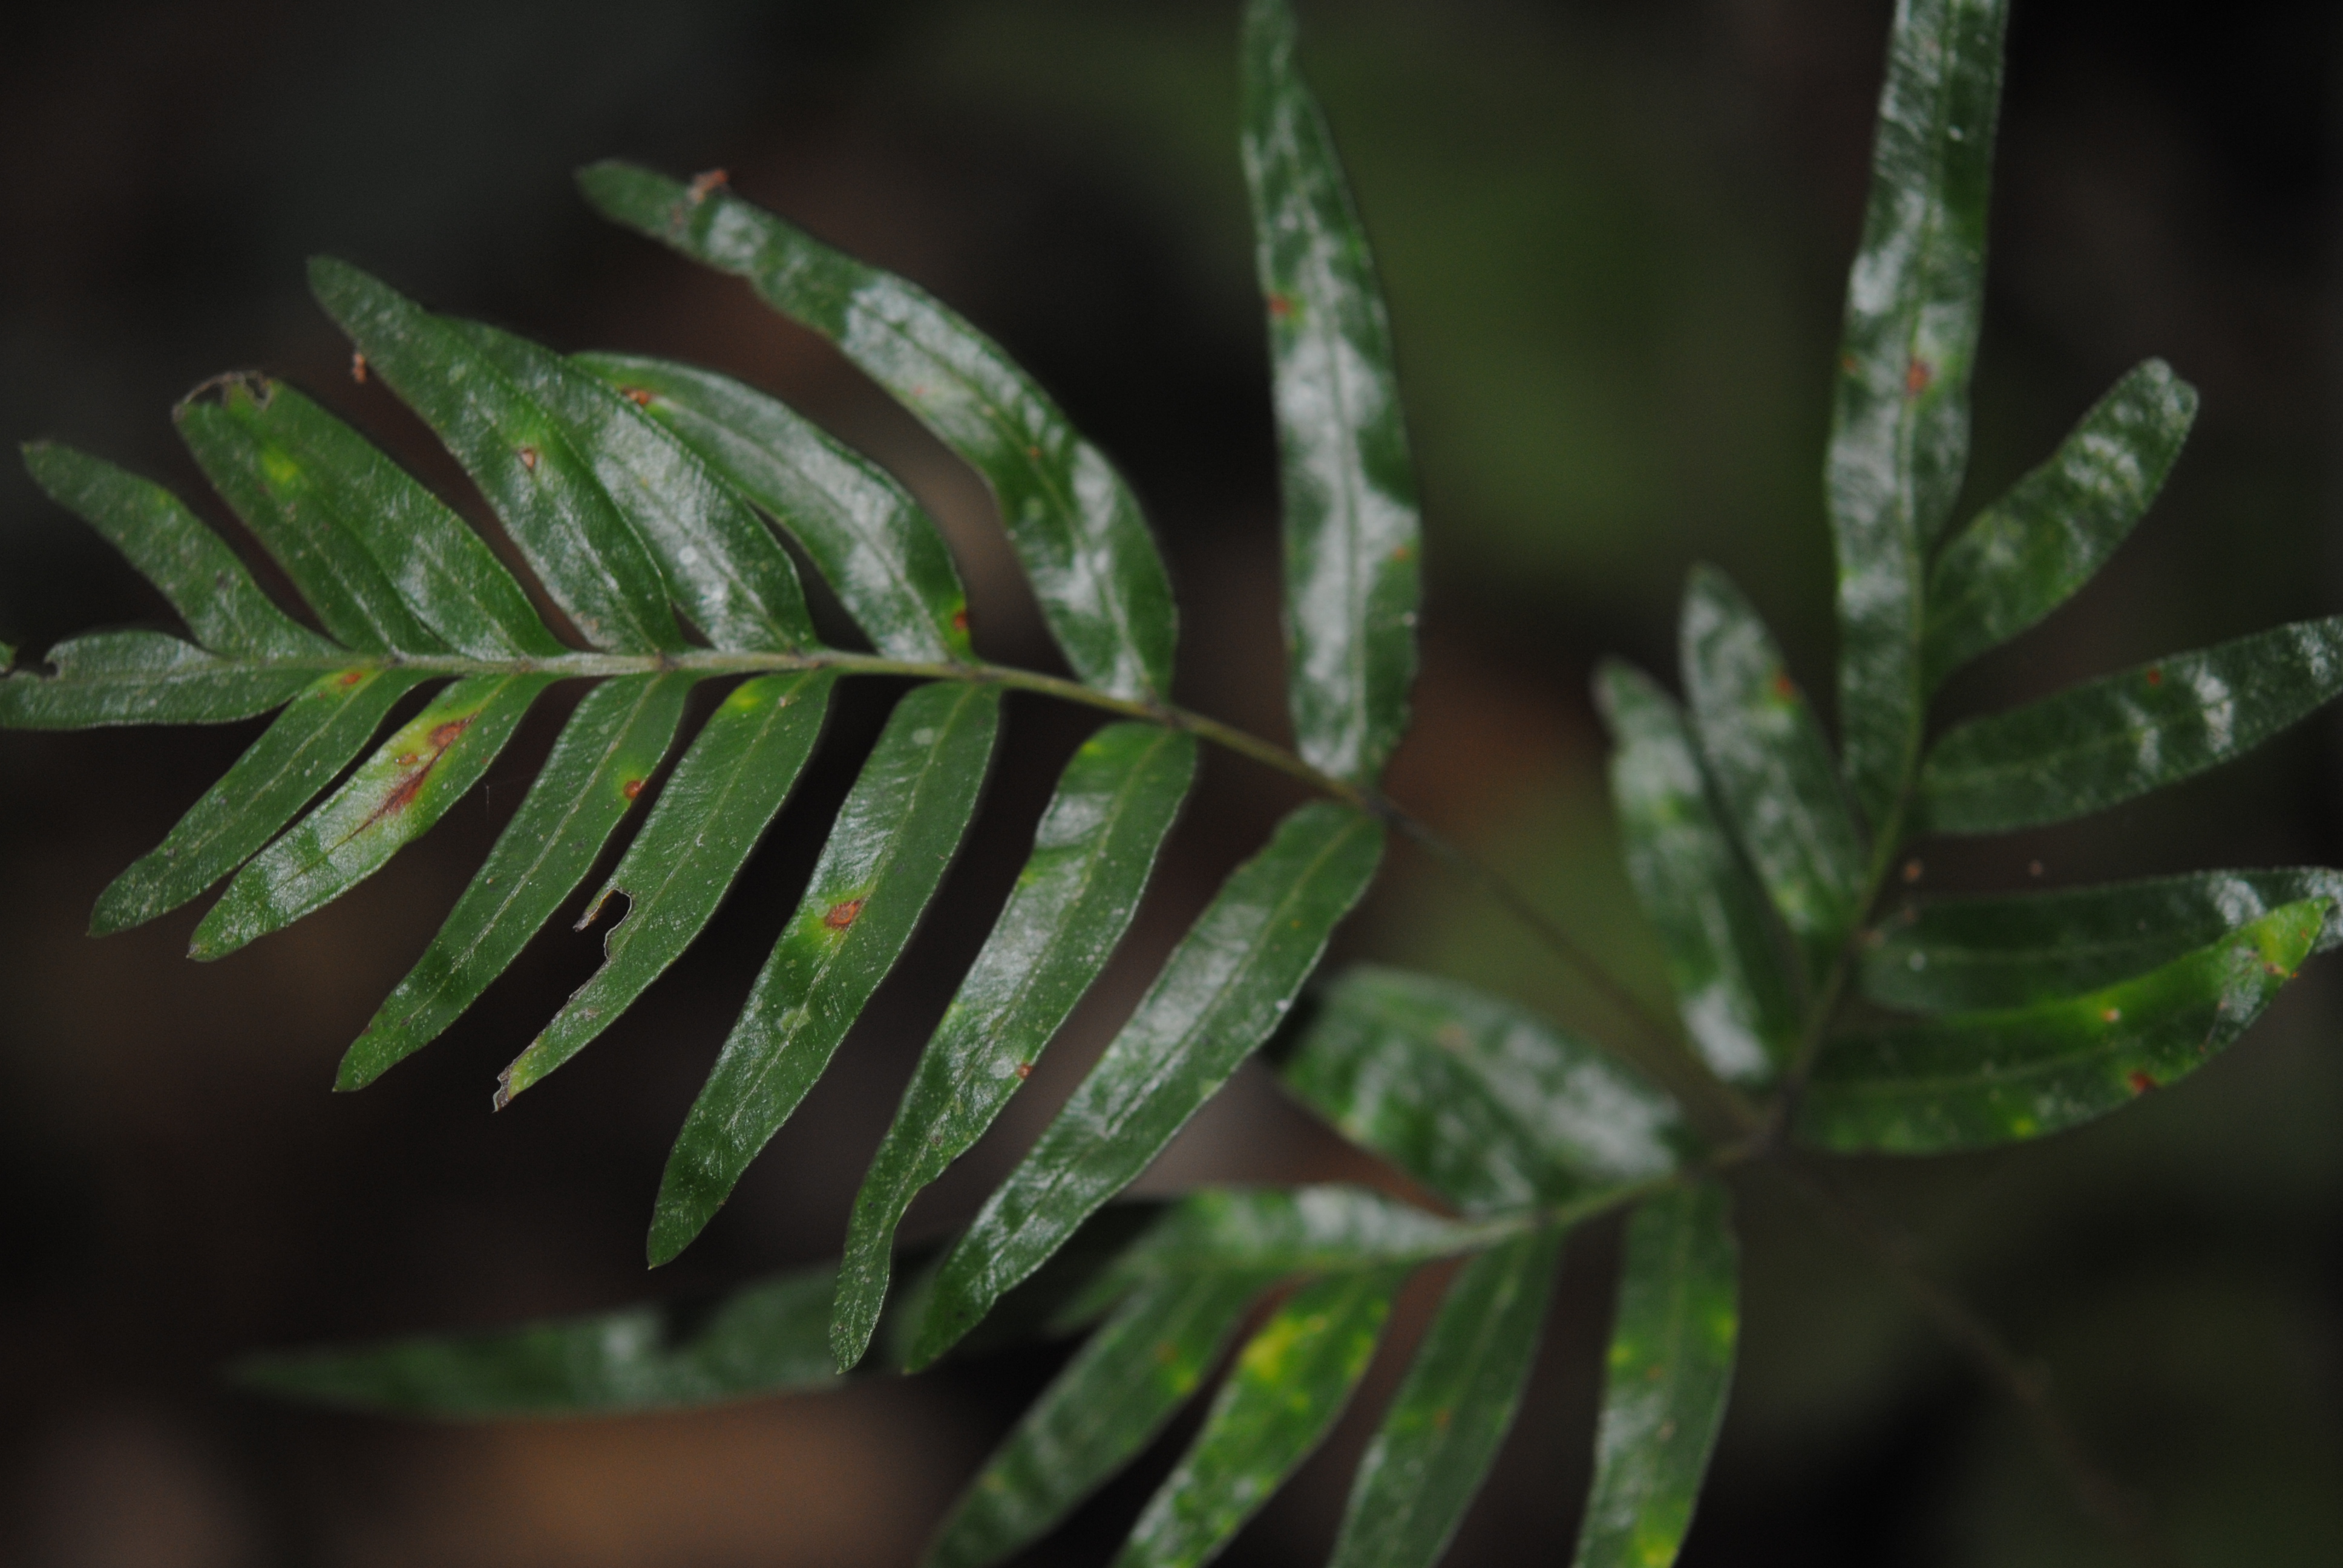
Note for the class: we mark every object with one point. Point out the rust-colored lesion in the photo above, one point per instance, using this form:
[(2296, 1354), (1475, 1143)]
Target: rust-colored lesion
[(415, 771), (843, 915)]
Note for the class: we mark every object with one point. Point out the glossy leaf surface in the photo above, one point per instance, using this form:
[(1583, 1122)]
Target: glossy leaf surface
[(1480, 1099), (1092, 854), (2101, 744), (1352, 539), (298, 754), (1967, 954), (1108, 1404), (195, 570), (707, 821), (1076, 528), (606, 753), (330, 567), (898, 828), (1446, 1423), (1765, 751), (1668, 1372), (764, 1339), (2027, 554), (879, 550), (393, 799), (1974, 1080), (147, 678), (446, 573), (1730, 979), (718, 560), (1900, 416), (1289, 1230), (518, 452), (1224, 987), (1290, 1381)]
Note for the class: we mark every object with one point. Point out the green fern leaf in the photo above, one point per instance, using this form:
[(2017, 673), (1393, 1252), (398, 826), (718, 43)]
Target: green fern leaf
[(1481, 1101), (1732, 979), (311, 462), (1772, 768), (1353, 544), (329, 566), (2027, 553), (1075, 524), (1107, 1404), (898, 828), (521, 454), (1225, 987), (1669, 1369), (201, 576), (1291, 1379), (393, 799), (718, 560), (1900, 419), (1444, 1425), (762, 1339), (1093, 853), (606, 753), (872, 543), (2113, 739), (1975, 954), (724, 794), (1974, 1080), (303, 750)]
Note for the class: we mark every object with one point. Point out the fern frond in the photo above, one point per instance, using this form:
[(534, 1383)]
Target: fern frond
[(645, 497)]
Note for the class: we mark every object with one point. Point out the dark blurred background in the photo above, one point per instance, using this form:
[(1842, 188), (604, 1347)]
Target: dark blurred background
[(1613, 234)]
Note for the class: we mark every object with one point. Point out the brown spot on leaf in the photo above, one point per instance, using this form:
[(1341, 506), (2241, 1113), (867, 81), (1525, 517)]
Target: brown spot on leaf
[(1912, 869), (2112, 1015), (351, 677), (841, 916), (2155, 675), (1783, 686), (1916, 377), (2140, 1082), (705, 183), (1025, 1069), (415, 770), (638, 397), (1280, 307), (631, 787), (1401, 553), (358, 368), (960, 619), (528, 458)]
